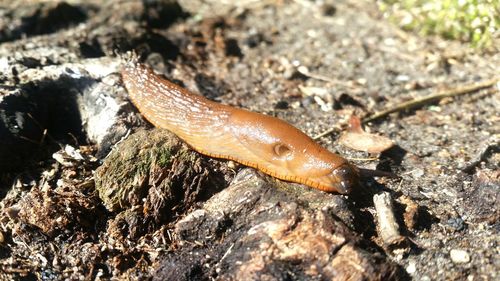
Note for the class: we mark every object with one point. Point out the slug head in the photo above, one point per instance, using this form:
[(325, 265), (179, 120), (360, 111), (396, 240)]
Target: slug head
[(343, 178), (323, 170), (283, 151)]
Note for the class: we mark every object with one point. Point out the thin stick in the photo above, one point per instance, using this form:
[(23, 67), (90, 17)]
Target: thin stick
[(327, 132), (461, 90), (361, 159), (418, 102)]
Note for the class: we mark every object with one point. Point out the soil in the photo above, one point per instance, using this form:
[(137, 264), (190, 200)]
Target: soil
[(189, 217)]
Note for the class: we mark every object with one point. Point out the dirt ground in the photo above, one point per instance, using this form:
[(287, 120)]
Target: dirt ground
[(311, 63)]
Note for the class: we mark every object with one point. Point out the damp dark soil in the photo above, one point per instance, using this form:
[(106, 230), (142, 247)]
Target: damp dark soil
[(91, 191)]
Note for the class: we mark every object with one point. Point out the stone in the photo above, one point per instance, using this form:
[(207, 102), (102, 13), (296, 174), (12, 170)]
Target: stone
[(459, 256)]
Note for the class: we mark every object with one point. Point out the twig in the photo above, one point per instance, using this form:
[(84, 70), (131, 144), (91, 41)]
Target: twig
[(228, 251), (486, 149), (304, 71), (461, 90), (387, 226), (327, 132), (361, 159)]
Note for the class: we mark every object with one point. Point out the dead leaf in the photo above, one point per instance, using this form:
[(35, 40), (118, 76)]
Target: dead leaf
[(358, 139)]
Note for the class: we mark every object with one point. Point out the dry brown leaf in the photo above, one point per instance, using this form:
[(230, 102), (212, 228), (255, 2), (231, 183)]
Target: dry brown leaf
[(357, 139)]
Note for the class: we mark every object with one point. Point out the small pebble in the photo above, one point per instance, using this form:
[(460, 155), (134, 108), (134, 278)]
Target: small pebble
[(457, 223), (459, 256), (418, 173), (411, 268), (231, 165)]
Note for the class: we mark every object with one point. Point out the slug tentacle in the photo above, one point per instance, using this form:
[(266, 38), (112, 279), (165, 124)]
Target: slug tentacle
[(256, 140)]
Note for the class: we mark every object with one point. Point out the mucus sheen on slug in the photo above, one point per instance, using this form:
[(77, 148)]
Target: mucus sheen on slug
[(253, 139)]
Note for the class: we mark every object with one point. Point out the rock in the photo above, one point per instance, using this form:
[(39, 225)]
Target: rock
[(411, 268), (58, 101), (459, 256)]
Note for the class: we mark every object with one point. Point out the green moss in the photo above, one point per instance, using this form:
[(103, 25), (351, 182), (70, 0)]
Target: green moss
[(143, 166), (159, 156), (474, 21), (164, 157)]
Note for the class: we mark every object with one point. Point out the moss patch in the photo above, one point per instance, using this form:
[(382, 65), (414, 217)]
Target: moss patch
[(148, 160), (474, 21)]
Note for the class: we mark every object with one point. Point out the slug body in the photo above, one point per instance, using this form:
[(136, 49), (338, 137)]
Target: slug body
[(256, 140)]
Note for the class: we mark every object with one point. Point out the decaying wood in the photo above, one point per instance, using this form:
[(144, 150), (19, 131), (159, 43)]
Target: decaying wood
[(388, 227)]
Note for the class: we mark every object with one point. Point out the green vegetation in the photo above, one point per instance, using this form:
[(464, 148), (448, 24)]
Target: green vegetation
[(164, 157), (474, 21)]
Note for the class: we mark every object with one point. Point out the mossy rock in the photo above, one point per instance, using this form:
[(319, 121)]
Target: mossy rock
[(156, 169)]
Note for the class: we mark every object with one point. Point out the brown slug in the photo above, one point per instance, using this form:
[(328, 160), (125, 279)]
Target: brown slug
[(252, 139)]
